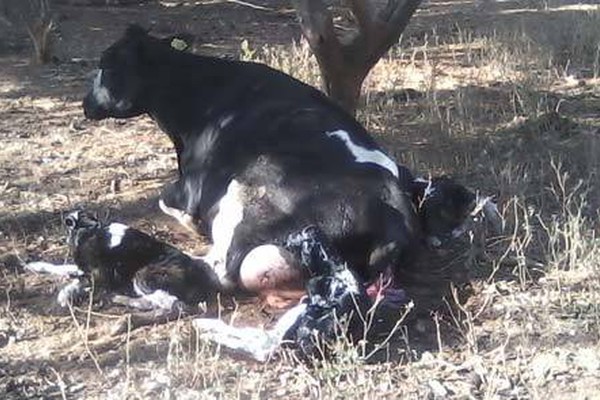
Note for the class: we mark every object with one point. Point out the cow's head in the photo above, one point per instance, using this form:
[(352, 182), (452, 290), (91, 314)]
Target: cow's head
[(444, 206), (120, 87)]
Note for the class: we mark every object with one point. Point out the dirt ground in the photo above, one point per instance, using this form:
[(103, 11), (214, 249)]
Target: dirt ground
[(524, 132)]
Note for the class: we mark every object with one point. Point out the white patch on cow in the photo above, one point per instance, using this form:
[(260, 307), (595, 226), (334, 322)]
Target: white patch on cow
[(137, 289), (42, 267), (74, 215), (229, 215), (363, 155), (100, 92), (225, 121), (66, 294), (117, 231), (344, 282), (348, 280)]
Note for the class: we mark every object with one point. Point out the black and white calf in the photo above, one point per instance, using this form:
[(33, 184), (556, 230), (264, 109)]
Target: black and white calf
[(261, 156), (116, 258)]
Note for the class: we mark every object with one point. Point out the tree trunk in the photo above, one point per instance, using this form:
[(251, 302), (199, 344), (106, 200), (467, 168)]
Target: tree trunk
[(345, 62), (343, 85)]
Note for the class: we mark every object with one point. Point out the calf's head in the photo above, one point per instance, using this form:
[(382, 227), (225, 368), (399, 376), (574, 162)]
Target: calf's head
[(444, 206), (80, 226)]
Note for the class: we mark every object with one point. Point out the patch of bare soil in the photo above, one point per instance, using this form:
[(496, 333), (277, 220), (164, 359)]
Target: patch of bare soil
[(528, 330)]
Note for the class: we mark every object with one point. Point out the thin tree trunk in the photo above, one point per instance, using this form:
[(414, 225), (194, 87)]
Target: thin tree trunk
[(345, 62)]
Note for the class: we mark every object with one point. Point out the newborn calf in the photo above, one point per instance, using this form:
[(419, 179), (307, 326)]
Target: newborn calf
[(335, 306), (115, 258)]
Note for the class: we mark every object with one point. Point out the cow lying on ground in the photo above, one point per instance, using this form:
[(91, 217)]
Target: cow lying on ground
[(262, 156)]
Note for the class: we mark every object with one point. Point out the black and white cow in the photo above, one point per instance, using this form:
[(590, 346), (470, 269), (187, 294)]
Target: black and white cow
[(261, 156)]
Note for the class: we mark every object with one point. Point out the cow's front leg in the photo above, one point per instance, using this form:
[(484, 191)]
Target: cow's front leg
[(43, 267), (175, 201), (184, 219)]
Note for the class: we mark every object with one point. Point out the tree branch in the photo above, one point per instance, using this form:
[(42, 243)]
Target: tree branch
[(361, 11), (345, 62), (317, 25), (386, 28)]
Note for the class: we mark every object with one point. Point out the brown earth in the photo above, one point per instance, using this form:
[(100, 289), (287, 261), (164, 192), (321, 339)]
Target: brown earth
[(495, 131)]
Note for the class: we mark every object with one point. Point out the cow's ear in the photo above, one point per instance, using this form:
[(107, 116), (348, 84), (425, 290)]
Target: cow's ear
[(135, 31), (136, 37)]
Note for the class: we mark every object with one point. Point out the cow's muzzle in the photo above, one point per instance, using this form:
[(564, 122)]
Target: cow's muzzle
[(93, 110)]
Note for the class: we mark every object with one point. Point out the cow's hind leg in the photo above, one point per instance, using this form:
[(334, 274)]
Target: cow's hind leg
[(155, 307), (258, 343)]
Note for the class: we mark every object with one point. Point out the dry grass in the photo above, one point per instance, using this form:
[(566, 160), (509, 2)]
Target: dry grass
[(508, 103)]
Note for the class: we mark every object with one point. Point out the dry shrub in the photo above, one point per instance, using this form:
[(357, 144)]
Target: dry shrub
[(296, 59), (37, 18)]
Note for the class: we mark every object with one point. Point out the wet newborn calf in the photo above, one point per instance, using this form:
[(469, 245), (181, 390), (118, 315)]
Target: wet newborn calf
[(116, 258), (335, 306)]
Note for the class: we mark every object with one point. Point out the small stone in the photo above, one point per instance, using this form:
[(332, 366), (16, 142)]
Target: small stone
[(541, 366), (438, 390), (588, 360), (427, 357), (503, 384)]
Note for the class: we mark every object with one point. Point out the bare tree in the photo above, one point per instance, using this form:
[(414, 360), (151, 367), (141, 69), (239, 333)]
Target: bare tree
[(345, 60)]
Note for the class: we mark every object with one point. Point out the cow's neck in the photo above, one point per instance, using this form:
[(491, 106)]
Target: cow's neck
[(185, 106)]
